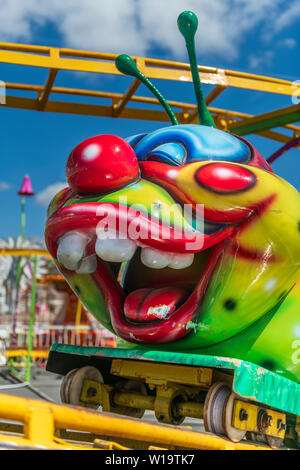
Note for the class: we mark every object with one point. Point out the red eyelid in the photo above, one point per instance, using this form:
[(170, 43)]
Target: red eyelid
[(225, 178)]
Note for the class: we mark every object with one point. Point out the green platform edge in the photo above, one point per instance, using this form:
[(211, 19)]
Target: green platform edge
[(249, 380)]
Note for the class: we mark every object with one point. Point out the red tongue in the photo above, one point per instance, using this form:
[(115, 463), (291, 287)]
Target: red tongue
[(146, 305)]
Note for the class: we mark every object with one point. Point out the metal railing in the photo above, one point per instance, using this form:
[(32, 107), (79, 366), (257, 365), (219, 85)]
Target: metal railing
[(45, 336), (50, 426), (124, 104)]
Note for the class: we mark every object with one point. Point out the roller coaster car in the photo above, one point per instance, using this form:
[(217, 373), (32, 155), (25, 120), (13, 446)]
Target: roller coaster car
[(186, 290), (235, 398)]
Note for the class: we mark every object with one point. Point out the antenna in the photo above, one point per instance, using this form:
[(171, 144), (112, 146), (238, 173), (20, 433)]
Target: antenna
[(187, 24), (126, 65)]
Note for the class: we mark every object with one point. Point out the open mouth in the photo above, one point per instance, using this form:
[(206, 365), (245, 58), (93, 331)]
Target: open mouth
[(162, 305), (158, 296)]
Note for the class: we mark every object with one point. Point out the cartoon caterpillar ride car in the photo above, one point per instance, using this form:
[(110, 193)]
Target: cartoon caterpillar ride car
[(208, 238)]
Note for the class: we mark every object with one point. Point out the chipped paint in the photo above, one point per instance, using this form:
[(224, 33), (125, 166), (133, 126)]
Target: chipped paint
[(160, 311)]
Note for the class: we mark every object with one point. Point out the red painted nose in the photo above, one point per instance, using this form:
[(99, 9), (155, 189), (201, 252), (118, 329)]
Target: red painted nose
[(101, 164), (225, 178)]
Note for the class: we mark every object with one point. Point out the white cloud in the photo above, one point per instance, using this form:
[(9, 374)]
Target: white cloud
[(93, 24), (222, 23), (44, 197), (287, 17), (290, 43), (4, 186), (17, 17), (261, 60), (135, 26)]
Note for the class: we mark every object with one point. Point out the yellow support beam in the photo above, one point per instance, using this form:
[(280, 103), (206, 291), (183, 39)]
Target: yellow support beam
[(212, 95), (60, 59), (99, 62), (24, 252), (165, 373), (118, 107), (78, 313), (17, 352), (42, 419), (43, 98), (137, 113)]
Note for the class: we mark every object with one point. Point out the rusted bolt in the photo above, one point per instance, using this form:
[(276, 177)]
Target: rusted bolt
[(91, 392), (280, 425), (243, 415), (264, 420), (269, 420)]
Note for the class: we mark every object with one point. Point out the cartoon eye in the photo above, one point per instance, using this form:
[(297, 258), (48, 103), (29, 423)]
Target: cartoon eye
[(171, 153), (225, 178)]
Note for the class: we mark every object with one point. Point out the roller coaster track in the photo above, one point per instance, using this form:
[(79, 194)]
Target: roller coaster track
[(124, 104)]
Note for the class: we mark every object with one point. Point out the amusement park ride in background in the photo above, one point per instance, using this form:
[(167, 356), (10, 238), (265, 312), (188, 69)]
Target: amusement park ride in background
[(37, 306), (173, 390), (54, 315)]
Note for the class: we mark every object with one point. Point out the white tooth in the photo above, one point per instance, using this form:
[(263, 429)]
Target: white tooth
[(181, 261), (154, 258), (117, 250), (71, 249), (87, 265)]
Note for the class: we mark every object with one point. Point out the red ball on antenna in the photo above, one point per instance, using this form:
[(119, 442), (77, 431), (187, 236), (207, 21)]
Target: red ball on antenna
[(101, 164)]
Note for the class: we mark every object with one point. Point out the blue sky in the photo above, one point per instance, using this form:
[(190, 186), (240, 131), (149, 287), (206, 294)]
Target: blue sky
[(253, 36)]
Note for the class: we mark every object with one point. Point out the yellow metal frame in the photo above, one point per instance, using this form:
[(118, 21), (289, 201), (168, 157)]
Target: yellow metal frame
[(162, 373), (42, 420), (175, 382), (35, 353), (252, 423), (62, 59)]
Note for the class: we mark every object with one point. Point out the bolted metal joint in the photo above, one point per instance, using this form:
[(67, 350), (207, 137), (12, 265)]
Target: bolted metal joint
[(243, 415), (264, 420), (281, 425)]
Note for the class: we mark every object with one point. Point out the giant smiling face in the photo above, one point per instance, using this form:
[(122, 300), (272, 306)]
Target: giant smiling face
[(187, 280)]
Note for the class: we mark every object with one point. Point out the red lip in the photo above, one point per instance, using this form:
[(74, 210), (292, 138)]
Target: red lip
[(83, 217), (152, 233)]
